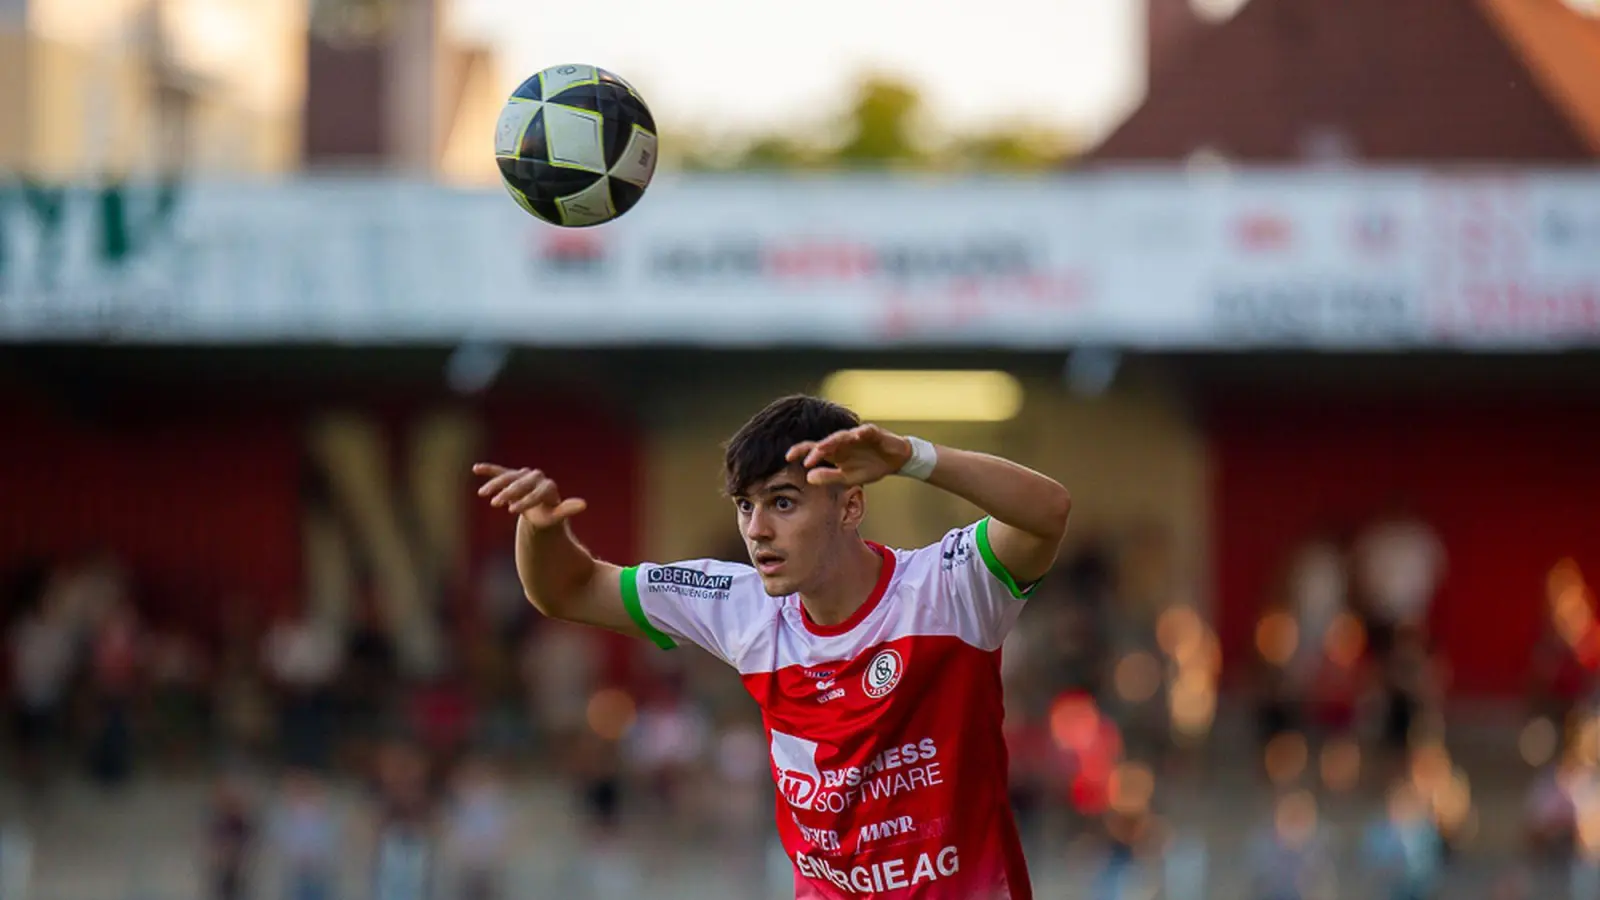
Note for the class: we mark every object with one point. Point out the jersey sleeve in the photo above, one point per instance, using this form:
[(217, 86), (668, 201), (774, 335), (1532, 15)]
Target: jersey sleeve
[(706, 602), (987, 598)]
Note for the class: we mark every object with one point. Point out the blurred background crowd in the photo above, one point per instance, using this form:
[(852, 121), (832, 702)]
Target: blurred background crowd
[(1305, 317)]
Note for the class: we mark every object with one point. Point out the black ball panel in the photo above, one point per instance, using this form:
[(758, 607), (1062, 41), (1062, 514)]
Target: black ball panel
[(544, 209), (614, 136), (602, 98), (529, 90), (534, 145), (542, 181), (624, 195), (634, 110)]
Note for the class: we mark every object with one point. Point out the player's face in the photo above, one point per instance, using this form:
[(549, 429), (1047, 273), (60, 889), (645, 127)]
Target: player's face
[(792, 528)]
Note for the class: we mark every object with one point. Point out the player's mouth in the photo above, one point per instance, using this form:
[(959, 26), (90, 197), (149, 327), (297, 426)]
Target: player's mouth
[(767, 562)]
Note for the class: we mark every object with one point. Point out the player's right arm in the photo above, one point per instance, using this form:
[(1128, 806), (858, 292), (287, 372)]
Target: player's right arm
[(560, 578)]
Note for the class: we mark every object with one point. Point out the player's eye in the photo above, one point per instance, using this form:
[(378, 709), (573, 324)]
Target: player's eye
[(743, 505), (783, 504)]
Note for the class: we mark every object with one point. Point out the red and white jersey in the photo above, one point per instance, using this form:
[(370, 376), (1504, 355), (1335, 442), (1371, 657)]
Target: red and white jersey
[(887, 748)]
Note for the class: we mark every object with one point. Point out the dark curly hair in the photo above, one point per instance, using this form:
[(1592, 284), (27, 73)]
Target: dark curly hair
[(756, 451)]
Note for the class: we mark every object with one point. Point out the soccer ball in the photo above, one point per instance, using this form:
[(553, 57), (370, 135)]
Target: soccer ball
[(576, 145)]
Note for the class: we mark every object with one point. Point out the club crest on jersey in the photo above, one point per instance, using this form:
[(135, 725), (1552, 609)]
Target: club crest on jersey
[(883, 673)]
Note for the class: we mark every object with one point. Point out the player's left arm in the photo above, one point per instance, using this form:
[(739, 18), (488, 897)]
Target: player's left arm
[(1028, 511)]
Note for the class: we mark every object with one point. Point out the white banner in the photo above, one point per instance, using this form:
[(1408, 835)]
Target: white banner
[(1358, 260)]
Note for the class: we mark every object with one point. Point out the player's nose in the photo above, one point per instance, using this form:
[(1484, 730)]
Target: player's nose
[(757, 527)]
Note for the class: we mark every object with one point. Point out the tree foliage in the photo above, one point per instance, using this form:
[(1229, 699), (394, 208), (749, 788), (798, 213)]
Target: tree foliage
[(885, 125)]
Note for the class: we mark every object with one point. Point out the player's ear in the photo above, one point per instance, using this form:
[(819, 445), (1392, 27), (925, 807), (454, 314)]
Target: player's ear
[(852, 506)]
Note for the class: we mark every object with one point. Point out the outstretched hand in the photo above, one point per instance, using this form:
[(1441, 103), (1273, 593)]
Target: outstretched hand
[(859, 455), (528, 493)]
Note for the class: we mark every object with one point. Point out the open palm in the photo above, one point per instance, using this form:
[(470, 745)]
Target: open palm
[(859, 455)]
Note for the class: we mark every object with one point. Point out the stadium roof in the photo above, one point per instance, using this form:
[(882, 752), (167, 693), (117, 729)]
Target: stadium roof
[(1419, 81), (1561, 48)]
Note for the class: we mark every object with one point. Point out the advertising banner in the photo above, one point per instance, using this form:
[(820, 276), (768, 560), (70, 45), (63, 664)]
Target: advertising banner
[(1358, 260)]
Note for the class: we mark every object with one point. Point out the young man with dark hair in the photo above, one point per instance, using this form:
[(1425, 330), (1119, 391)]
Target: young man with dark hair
[(877, 671)]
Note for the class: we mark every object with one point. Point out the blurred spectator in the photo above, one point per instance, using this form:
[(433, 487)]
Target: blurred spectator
[(1560, 796), (605, 868), (1404, 847), (501, 600), (1030, 755), (1079, 626), (560, 666), (302, 657), (743, 785), (1132, 833), (1147, 578), (596, 771), (664, 747), (16, 860), (1292, 861), (116, 659), (1316, 584), (305, 837), (1184, 865), (405, 845), (1514, 885), (1280, 699), (366, 678), (93, 588), (1413, 686), (478, 831), (43, 651), (230, 835), (1399, 561), (740, 796), (1567, 654), (177, 694), (442, 717)]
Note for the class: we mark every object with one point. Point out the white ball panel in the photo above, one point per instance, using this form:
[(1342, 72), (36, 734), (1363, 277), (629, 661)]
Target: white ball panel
[(589, 206), (513, 124), (559, 78), (573, 138), (638, 161)]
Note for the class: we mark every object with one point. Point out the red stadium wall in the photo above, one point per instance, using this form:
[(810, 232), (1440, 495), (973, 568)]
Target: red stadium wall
[(1510, 492), (202, 507), (201, 498), (590, 452)]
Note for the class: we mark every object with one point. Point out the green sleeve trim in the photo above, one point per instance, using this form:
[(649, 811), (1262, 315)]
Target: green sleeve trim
[(630, 601), (996, 567)]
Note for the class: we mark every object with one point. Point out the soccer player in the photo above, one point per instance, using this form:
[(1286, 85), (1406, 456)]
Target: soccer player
[(877, 671)]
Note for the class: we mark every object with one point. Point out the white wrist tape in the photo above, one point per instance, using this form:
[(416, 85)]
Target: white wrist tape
[(923, 459)]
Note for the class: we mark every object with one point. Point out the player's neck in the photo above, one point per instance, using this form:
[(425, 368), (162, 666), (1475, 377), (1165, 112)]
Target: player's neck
[(850, 584)]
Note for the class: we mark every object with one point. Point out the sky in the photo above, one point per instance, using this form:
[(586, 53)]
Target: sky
[(738, 66)]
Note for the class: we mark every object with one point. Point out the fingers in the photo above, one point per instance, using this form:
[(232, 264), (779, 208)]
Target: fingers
[(523, 483), (829, 446), (799, 451), (825, 476), (568, 508), (537, 490), (528, 493), (812, 453), (502, 478)]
